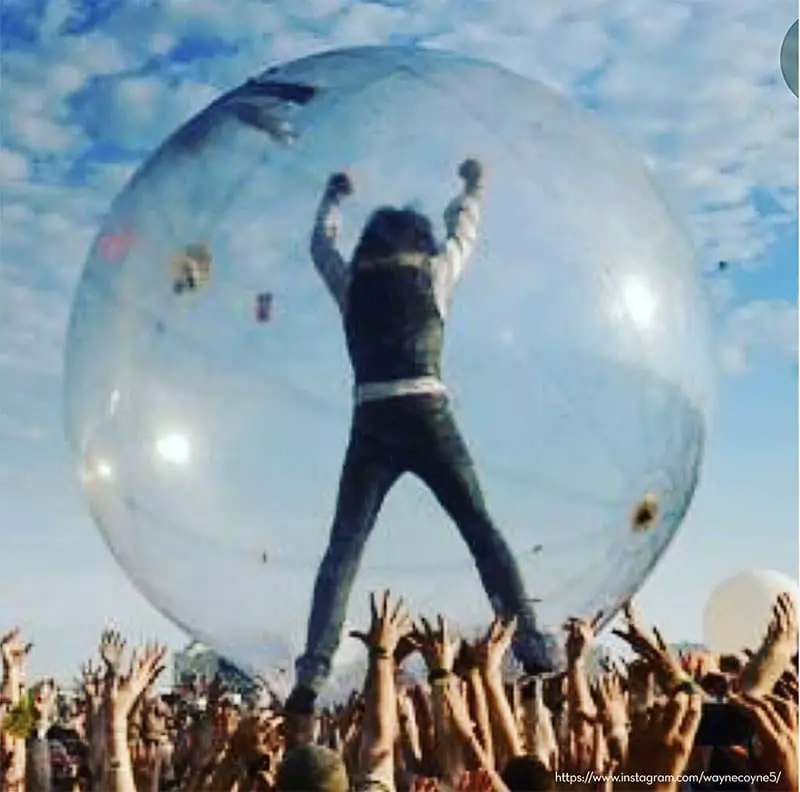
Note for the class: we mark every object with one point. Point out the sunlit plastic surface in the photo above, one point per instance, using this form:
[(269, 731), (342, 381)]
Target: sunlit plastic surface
[(739, 609), (207, 391)]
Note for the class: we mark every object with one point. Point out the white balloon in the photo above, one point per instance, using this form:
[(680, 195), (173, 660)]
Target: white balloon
[(739, 609)]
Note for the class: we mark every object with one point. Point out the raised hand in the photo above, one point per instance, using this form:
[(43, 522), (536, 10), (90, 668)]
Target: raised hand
[(14, 652), (124, 691), (473, 174), (112, 648), (44, 704), (340, 185), (92, 683), (585, 757), (775, 748), (767, 665), (663, 743), (350, 717), (613, 714), (783, 625), (389, 625), (641, 687), (459, 710), (492, 650), (788, 686), (438, 647), (652, 649), (580, 634)]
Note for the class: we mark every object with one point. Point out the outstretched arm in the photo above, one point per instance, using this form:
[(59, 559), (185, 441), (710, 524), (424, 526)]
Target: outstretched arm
[(461, 218), (326, 256)]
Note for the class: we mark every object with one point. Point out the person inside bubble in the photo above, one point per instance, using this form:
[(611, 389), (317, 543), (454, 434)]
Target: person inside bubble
[(191, 268), (394, 298)]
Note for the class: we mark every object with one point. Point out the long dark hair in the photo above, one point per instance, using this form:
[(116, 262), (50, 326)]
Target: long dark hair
[(391, 231)]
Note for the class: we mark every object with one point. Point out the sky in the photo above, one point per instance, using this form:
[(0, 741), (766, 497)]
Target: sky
[(89, 89)]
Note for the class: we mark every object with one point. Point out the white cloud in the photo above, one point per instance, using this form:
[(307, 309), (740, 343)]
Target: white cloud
[(758, 330), (66, 78), (40, 134), (718, 129), (161, 43), (56, 13), (13, 166), (368, 23)]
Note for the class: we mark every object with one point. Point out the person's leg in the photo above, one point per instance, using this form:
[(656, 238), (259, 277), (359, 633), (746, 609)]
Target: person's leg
[(446, 466), (367, 476)]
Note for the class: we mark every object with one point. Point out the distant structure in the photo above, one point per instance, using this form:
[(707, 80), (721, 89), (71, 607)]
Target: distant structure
[(687, 647), (199, 664)]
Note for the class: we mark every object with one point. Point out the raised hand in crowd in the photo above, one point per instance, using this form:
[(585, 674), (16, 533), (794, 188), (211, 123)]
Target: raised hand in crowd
[(651, 647), (14, 654), (662, 745), (390, 623), (463, 726), (491, 652), (122, 693), (112, 650), (775, 744), (614, 715), (774, 656)]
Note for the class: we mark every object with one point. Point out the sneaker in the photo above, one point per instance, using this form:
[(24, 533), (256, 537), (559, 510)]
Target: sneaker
[(301, 701)]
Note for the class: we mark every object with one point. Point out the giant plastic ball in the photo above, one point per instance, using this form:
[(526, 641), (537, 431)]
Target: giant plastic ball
[(739, 609), (208, 392)]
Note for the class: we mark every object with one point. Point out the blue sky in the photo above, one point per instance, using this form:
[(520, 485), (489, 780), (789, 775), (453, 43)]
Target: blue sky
[(89, 89)]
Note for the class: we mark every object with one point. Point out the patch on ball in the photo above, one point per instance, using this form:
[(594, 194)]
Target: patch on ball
[(191, 268), (645, 514)]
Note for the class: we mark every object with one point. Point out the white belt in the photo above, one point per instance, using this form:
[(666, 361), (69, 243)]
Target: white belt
[(372, 391)]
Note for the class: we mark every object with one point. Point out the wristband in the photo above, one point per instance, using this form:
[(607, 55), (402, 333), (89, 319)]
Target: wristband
[(380, 653), (438, 675)]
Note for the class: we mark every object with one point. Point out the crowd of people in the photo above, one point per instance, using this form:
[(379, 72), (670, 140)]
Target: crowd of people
[(657, 720)]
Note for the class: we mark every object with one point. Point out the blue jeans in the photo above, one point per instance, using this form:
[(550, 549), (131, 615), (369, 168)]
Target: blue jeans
[(419, 435)]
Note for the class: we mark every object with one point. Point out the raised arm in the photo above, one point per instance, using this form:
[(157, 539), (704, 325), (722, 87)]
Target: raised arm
[(326, 256), (390, 623), (462, 218)]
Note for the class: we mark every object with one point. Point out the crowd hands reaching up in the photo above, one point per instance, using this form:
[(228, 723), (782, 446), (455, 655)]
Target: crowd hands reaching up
[(643, 724)]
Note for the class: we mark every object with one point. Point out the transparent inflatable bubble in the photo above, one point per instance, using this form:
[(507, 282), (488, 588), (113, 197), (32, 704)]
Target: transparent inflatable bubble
[(208, 390)]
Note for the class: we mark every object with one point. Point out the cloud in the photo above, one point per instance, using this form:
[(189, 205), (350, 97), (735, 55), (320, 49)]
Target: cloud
[(13, 167), (694, 86), (758, 331)]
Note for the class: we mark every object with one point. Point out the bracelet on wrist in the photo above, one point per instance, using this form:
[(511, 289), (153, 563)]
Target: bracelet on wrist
[(438, 675), (380, 653)]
